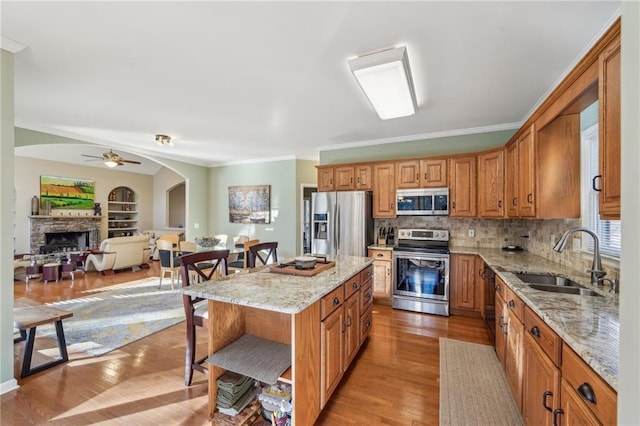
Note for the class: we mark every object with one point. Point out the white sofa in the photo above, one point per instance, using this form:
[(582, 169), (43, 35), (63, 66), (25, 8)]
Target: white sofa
[(120, 253)]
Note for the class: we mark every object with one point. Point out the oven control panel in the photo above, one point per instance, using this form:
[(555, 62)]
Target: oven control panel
[(424, 234)]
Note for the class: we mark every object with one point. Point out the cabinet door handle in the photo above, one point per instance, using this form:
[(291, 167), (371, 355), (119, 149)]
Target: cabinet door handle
[(586, 391), (557, 412), (544, 401), (331, 181), (336, 301), (367, 296), (417, 176), (349, 321), (453, 205), (512, 304), (535, 331), (389, 271), (515, 201), (497, 288), (358, 179), (499, 204), (368, 323), (593, 183), (425, 175), (530, 198), (350, 180), (354, 286)]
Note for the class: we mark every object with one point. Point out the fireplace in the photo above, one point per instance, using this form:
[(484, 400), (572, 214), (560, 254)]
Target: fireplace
[(64, 241)]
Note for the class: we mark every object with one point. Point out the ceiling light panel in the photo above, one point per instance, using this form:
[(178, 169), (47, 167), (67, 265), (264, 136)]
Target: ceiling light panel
[(385, 78)]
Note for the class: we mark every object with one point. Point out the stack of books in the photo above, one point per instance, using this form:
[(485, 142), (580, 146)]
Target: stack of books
[(235, 392)]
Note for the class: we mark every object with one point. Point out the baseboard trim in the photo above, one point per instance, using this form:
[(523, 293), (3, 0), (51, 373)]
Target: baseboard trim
[(8, 386)]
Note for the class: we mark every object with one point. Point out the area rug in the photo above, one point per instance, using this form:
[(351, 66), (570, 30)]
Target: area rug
[(107, 320), (473, 386)]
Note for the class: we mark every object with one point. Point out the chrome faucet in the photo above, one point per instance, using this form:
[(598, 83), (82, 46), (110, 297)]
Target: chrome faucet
[(597, 273)]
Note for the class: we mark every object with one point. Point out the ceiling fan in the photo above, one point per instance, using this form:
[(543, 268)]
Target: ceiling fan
[(111, 159)]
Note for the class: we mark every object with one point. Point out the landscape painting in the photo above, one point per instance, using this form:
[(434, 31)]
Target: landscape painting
[(249, 204), (67, 193)]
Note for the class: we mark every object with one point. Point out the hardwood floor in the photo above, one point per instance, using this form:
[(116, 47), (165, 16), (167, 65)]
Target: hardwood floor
[(394, 380)]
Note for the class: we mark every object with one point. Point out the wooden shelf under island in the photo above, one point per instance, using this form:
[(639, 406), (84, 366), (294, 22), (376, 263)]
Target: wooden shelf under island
[(298, 312)]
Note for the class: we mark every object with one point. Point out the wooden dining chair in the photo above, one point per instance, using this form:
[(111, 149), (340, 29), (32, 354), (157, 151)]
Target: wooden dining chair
[(242, 261), (194, 268), (266, 252), (188, 247), (167, 254), (174, 239)]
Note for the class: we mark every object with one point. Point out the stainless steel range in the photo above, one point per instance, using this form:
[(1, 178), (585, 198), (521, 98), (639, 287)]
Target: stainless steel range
[(421, 264)]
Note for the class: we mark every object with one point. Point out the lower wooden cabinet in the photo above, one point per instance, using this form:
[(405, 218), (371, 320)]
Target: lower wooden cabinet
[(501, 330), (465, 285), (514, 347), (382, 275), (541, 390), (332, 353)]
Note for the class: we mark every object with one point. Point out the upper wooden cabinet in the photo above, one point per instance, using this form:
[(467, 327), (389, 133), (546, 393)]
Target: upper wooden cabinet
[(520, 176), (384, 190), (609, 130), (462, 186), (325, 179), (424, 173), (491, 183), (364, 177), (344, 178)]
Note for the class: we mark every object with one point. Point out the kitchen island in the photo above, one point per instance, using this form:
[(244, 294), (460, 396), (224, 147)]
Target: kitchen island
[(296, 311)]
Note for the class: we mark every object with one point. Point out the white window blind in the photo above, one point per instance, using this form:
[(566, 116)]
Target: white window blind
[(607, 230)]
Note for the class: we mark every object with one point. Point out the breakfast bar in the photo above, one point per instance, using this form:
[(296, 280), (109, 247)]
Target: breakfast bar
[(323, 319)]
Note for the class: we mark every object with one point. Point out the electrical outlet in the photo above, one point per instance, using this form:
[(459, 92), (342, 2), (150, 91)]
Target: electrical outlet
[(196, 226), (472, 233)]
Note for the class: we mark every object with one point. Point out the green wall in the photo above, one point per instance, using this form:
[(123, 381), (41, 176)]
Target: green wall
[(420, 148), (284, 177), (7, 181)]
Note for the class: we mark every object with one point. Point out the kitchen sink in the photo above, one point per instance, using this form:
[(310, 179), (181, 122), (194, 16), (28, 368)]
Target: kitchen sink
[(553, 280), (554, 284), (564, 289)]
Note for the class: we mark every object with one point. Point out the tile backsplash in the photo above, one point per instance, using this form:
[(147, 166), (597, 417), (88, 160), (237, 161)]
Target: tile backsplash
[(534, 235)]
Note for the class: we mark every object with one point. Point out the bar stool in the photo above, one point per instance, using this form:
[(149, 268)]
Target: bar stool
[(50, 272)]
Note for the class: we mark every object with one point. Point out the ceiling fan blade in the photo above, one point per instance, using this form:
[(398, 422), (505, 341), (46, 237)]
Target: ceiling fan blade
[(91, 156), (122, 160)]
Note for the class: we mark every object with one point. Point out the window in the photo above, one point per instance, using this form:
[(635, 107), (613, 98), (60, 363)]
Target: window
[(607, 230)]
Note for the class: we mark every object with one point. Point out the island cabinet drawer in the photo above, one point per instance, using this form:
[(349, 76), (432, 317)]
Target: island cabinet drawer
[(332, 301), (547, 339), (351, 286), (514, 304), (366, 322), (366, 274), (601, 399), (380, 254), (366, 296)]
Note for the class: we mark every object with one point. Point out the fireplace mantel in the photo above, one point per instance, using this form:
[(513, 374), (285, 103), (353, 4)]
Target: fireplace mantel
[(41, 224)]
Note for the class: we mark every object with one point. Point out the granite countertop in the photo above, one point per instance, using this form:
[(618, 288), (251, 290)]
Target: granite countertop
[(288, 294), (588, 324)]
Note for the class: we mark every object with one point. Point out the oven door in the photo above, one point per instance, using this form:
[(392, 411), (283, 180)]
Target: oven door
[(423, 275)]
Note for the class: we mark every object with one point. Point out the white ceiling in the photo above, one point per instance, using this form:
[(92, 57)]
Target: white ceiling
[(242, 81)]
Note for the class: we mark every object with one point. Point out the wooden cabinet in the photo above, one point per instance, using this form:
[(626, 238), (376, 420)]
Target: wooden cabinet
[(366, 302), (122, 212), (433, 173), (491, 183), (573, 411), (520, 176), (558, 168), (465, 288), (325, 179), (423, 173), (382, 275), (609, 130), (462, 186), (514, 345), (541, 382), (341, 335), (344, 178), (364, 177), (501, 330), (384, 190), (586, 390)]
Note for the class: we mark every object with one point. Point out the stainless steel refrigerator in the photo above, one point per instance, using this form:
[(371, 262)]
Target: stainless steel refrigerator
[(342, 223)]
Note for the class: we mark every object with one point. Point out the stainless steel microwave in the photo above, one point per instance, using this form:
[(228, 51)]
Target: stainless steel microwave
[(422, 202)]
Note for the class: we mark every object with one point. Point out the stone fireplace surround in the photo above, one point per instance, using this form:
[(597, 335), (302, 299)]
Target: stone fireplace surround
[(41, 225)]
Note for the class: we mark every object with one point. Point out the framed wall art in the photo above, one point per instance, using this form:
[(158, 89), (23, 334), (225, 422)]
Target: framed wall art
[(250, 204), (67, 193)]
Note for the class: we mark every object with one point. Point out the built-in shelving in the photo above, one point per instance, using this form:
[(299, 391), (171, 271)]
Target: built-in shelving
[(122, 212)]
